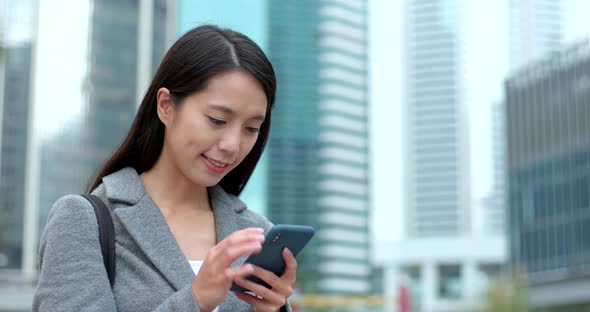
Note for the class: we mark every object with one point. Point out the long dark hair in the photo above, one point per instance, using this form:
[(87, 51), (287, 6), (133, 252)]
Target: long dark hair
[(198, 55)]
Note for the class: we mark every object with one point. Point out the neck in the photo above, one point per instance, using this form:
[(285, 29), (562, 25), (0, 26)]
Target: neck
[(171, 190)]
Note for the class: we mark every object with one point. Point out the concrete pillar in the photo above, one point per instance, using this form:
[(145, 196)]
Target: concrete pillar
[(472, 282), (429, 286), (391, 282)]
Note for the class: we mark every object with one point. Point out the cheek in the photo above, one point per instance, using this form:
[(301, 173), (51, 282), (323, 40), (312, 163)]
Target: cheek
[(177, 144), (185, 141), (198, 142), (193, 134), (247, 146)]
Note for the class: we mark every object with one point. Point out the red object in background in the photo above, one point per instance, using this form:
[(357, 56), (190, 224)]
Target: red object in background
[(404, 299)]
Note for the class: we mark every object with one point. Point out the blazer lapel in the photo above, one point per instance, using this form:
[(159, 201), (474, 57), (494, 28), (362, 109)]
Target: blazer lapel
[(146, 225), (151, 233), (227, 209)]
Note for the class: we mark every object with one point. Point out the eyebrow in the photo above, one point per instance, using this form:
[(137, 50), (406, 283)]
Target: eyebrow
[(230, 111)]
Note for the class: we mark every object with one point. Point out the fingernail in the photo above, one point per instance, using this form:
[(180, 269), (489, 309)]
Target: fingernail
[(260, 230), (249, 268)]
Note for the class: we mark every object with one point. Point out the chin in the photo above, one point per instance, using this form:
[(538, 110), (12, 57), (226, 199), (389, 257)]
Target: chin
[(200, 177), (206, 181)]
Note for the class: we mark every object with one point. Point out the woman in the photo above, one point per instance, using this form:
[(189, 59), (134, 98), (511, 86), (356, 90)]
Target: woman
[(171, 188)]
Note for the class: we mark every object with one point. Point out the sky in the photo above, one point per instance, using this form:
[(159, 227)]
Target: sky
[(577, 21), (386, 122), (67, 66), (247, 16)]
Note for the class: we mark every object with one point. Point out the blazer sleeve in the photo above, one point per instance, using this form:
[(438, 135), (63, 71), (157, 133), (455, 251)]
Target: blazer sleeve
[(72, 276)]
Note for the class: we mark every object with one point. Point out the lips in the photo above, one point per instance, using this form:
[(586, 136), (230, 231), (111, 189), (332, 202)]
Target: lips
[(215, 165)]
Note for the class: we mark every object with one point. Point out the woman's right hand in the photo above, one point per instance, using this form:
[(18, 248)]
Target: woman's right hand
[(216, 276)]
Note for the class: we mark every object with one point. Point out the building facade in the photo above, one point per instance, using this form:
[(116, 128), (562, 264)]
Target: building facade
[(448, 253), (63, 110), (318, 148), (548, 128), (536, 29)]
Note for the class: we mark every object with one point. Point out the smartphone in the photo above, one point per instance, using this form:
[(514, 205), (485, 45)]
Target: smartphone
[(270, 258)]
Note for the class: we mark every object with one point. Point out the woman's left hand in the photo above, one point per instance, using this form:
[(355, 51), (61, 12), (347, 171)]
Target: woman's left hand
[(270, 300)]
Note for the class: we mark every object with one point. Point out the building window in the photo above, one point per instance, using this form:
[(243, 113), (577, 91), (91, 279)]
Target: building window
[(449, 281)]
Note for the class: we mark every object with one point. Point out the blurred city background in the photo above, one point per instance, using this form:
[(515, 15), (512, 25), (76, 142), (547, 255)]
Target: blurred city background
[(441, 148)]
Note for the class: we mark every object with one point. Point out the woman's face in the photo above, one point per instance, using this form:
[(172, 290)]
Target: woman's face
[(213, 130)]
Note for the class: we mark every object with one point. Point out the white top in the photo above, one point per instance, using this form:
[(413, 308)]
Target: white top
[(196, 265)]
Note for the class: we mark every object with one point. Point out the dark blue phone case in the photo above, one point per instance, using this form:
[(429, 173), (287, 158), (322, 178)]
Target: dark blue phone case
[(294, 237)]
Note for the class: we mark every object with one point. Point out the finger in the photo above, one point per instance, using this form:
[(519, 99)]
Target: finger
[(226, 255), (242, 271), (290, 274), (256, 288), (281, 286), (244, 236), (269, 277), (248, 231), (241, 237), (267, 294), (251, 300)]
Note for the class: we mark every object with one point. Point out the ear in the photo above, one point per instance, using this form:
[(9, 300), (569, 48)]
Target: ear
[(165, 106)]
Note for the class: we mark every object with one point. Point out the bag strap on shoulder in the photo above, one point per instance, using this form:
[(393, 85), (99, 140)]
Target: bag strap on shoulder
[(106, 235)]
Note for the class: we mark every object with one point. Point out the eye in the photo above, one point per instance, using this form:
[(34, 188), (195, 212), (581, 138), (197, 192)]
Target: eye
[(216, 121), (253, 129)]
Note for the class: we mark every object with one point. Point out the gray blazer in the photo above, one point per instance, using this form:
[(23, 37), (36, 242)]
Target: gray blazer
[(152, 273)]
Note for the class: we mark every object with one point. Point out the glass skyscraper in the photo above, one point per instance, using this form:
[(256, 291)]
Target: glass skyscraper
[(495, 209), (548, 128), (318, 147), (15, 82), (436, 117), (447, 255), (536, 29), (61, 117), (15, 121), (110, 93)]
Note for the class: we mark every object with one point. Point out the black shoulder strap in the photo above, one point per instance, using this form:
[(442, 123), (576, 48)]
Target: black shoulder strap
[(106, 235)]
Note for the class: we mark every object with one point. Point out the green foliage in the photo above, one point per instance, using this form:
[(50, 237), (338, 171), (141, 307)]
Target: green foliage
[(509, 294), (507, 297)]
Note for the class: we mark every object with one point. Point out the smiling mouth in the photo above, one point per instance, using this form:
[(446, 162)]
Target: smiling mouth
[(216, 163)]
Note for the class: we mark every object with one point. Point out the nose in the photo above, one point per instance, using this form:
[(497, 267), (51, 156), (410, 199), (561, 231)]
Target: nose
[(230, 141)]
